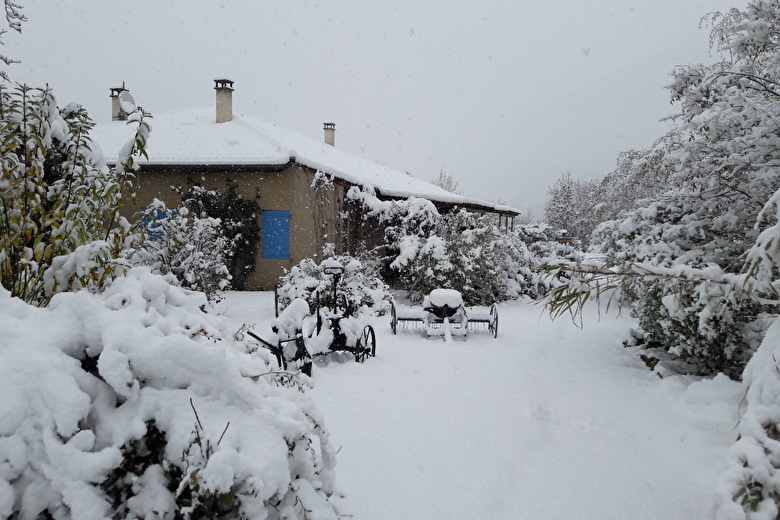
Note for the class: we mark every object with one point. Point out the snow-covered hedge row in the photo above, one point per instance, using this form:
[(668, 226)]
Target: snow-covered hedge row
[(133, 403)]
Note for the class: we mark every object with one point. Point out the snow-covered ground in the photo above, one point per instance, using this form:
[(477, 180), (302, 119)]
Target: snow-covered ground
[(547, 421)]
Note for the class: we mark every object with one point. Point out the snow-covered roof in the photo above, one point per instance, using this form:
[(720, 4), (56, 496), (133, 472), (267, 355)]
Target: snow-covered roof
[(192, 137)]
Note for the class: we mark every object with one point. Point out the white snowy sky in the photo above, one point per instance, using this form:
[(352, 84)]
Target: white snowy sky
[(502, 94)]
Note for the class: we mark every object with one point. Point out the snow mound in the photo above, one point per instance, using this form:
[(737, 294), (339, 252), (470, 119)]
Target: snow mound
[(444, 297), (134, 400)]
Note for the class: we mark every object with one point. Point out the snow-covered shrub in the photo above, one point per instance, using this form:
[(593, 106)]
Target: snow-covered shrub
[(748, 489), (697, 321), (469, 253), (364, 292), (193, 249), (710, 327), (240, 228), (705, 320), (133, 403), (58, 197), (459, 250)]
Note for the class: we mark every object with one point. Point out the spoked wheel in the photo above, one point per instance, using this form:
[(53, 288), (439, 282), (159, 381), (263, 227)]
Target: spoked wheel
[(493, 323), (366, 344), (393, 319)]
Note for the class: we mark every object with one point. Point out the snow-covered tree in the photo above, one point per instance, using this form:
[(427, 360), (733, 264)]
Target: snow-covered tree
[(723, 165), (425, 250), (238, 217), (638, 175), (570, 207), (60, 222), (446, 181), (559, 209)]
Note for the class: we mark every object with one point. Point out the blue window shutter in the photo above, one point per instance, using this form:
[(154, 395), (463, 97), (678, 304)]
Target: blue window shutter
[(275, 240), (150, 228)]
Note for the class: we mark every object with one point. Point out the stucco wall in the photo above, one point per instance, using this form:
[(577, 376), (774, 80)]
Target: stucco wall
[(315, 214)]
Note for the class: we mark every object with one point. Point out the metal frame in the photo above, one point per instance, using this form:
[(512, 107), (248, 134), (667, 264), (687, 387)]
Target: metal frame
[(364, 345), (475, 319)]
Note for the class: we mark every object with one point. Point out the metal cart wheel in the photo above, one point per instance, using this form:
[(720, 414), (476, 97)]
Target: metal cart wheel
[(366, 344), (393, 319), (493, 323)]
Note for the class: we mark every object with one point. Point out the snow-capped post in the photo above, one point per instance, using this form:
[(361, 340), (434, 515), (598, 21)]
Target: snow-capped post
[(224, 88)]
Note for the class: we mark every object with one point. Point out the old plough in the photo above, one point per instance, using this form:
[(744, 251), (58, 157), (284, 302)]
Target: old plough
[(299, 335)]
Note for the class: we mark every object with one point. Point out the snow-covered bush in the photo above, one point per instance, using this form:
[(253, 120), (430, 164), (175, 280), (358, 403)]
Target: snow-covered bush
[(133, 403), (239, 219), (749, 488), (60, 227), (459, 250), (704, 320), (193, 249), (469, 253), (364, 291), (546, 243), (710, 327)]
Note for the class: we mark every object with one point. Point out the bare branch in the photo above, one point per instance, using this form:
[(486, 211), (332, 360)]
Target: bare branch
[(14, 16), (764, 83)]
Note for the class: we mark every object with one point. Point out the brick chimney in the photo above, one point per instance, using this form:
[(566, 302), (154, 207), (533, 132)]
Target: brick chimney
[(117, 114), (224, 88), (330, 133)]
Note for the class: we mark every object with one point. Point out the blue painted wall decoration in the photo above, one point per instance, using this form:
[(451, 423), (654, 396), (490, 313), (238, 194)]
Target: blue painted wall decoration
[(275, 238)]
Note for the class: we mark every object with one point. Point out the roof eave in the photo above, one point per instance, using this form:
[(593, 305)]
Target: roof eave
[(448, 205), (213, 168)]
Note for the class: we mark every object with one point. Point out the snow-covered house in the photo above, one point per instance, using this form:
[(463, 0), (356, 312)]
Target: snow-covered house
[(299, 183)]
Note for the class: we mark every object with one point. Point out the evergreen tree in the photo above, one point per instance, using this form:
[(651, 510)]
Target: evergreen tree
[(570, 207)]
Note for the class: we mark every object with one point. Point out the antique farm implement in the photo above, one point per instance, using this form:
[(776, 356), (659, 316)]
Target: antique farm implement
[(301, 335), (444, 314)]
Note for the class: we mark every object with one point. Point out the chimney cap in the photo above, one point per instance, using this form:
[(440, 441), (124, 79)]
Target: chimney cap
[(115, 91), (223, 82), (329, 125)]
